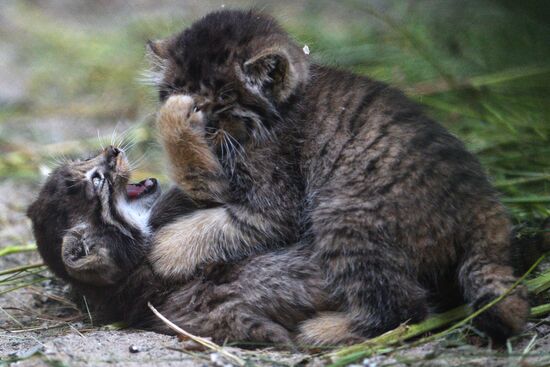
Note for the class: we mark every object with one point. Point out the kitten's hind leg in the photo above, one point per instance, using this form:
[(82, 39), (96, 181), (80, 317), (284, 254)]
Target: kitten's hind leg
[(238, 322), (262, 330), (371, 280)]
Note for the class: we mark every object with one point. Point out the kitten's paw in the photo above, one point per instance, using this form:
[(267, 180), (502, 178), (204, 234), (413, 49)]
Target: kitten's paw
[(172, 256), (168, 264), (194, 165), (326, 329), (179, 115)]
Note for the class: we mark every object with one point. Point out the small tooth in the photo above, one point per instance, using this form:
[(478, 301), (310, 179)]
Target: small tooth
[(149, 183)]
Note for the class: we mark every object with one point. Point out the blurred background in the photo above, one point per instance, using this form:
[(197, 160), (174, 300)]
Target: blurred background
[(70, 75)]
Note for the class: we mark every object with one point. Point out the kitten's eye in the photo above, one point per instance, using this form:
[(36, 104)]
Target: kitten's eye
[(163, 94), (227, 97), (97, 179)]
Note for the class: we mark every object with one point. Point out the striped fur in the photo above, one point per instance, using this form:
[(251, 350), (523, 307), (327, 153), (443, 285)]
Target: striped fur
[(393, 206), (88, 235)]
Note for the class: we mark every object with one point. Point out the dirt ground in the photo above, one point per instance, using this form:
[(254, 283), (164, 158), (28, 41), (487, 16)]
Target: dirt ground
[(41, 326)]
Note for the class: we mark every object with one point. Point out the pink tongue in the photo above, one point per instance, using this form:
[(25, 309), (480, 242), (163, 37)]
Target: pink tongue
[(134, 191)]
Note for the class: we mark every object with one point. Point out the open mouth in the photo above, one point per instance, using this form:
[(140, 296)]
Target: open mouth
[(141, 189)]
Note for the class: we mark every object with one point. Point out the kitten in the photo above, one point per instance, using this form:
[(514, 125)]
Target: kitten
[(94, 230), (391, 204)]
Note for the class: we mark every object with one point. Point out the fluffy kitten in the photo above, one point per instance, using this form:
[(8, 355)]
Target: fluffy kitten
[(391, 204), (94, 230)]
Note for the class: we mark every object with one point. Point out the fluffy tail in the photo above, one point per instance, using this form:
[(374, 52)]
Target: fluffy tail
[(485, 274), (482, 283), (327, 329)]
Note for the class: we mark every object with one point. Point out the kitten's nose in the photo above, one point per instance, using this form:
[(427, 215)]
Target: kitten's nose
[(111, 152)]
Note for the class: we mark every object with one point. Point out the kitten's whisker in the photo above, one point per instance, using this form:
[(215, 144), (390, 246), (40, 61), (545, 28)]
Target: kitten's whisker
[(100, 140), (233, 152), (238, 146), (151, 77), (140, 158), (222, 147), (54, 162), (122, 137), (128, 144), (135, 165), (130, 139), (230, 142), (262, 130), (227, 87), (230, 148), (113, 134), (137, 162), (63, 159), (224, 108)]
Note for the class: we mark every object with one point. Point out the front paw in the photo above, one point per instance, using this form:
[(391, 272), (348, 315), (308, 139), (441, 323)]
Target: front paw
[(171, 257), (179, 116)]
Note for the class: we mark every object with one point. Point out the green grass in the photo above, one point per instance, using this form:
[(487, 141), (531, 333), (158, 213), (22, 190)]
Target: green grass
[(456, 318), (482, 68)]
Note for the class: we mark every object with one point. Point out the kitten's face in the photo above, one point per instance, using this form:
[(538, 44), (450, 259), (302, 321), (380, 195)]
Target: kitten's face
[(238, 76), (89, 222)]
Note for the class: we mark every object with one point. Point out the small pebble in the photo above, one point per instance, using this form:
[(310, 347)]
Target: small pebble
[(217, 360), (134, 349)]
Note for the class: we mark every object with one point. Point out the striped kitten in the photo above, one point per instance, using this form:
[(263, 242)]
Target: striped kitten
[(392, 205), (94, 230)]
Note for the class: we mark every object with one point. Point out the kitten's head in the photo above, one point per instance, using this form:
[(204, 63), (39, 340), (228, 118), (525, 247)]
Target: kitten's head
[(240, 67), (90, 224)]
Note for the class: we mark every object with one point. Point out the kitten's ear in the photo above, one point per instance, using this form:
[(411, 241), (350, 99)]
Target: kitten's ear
[(88, 259), (277, 72), (156, 53), (157, 50)]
